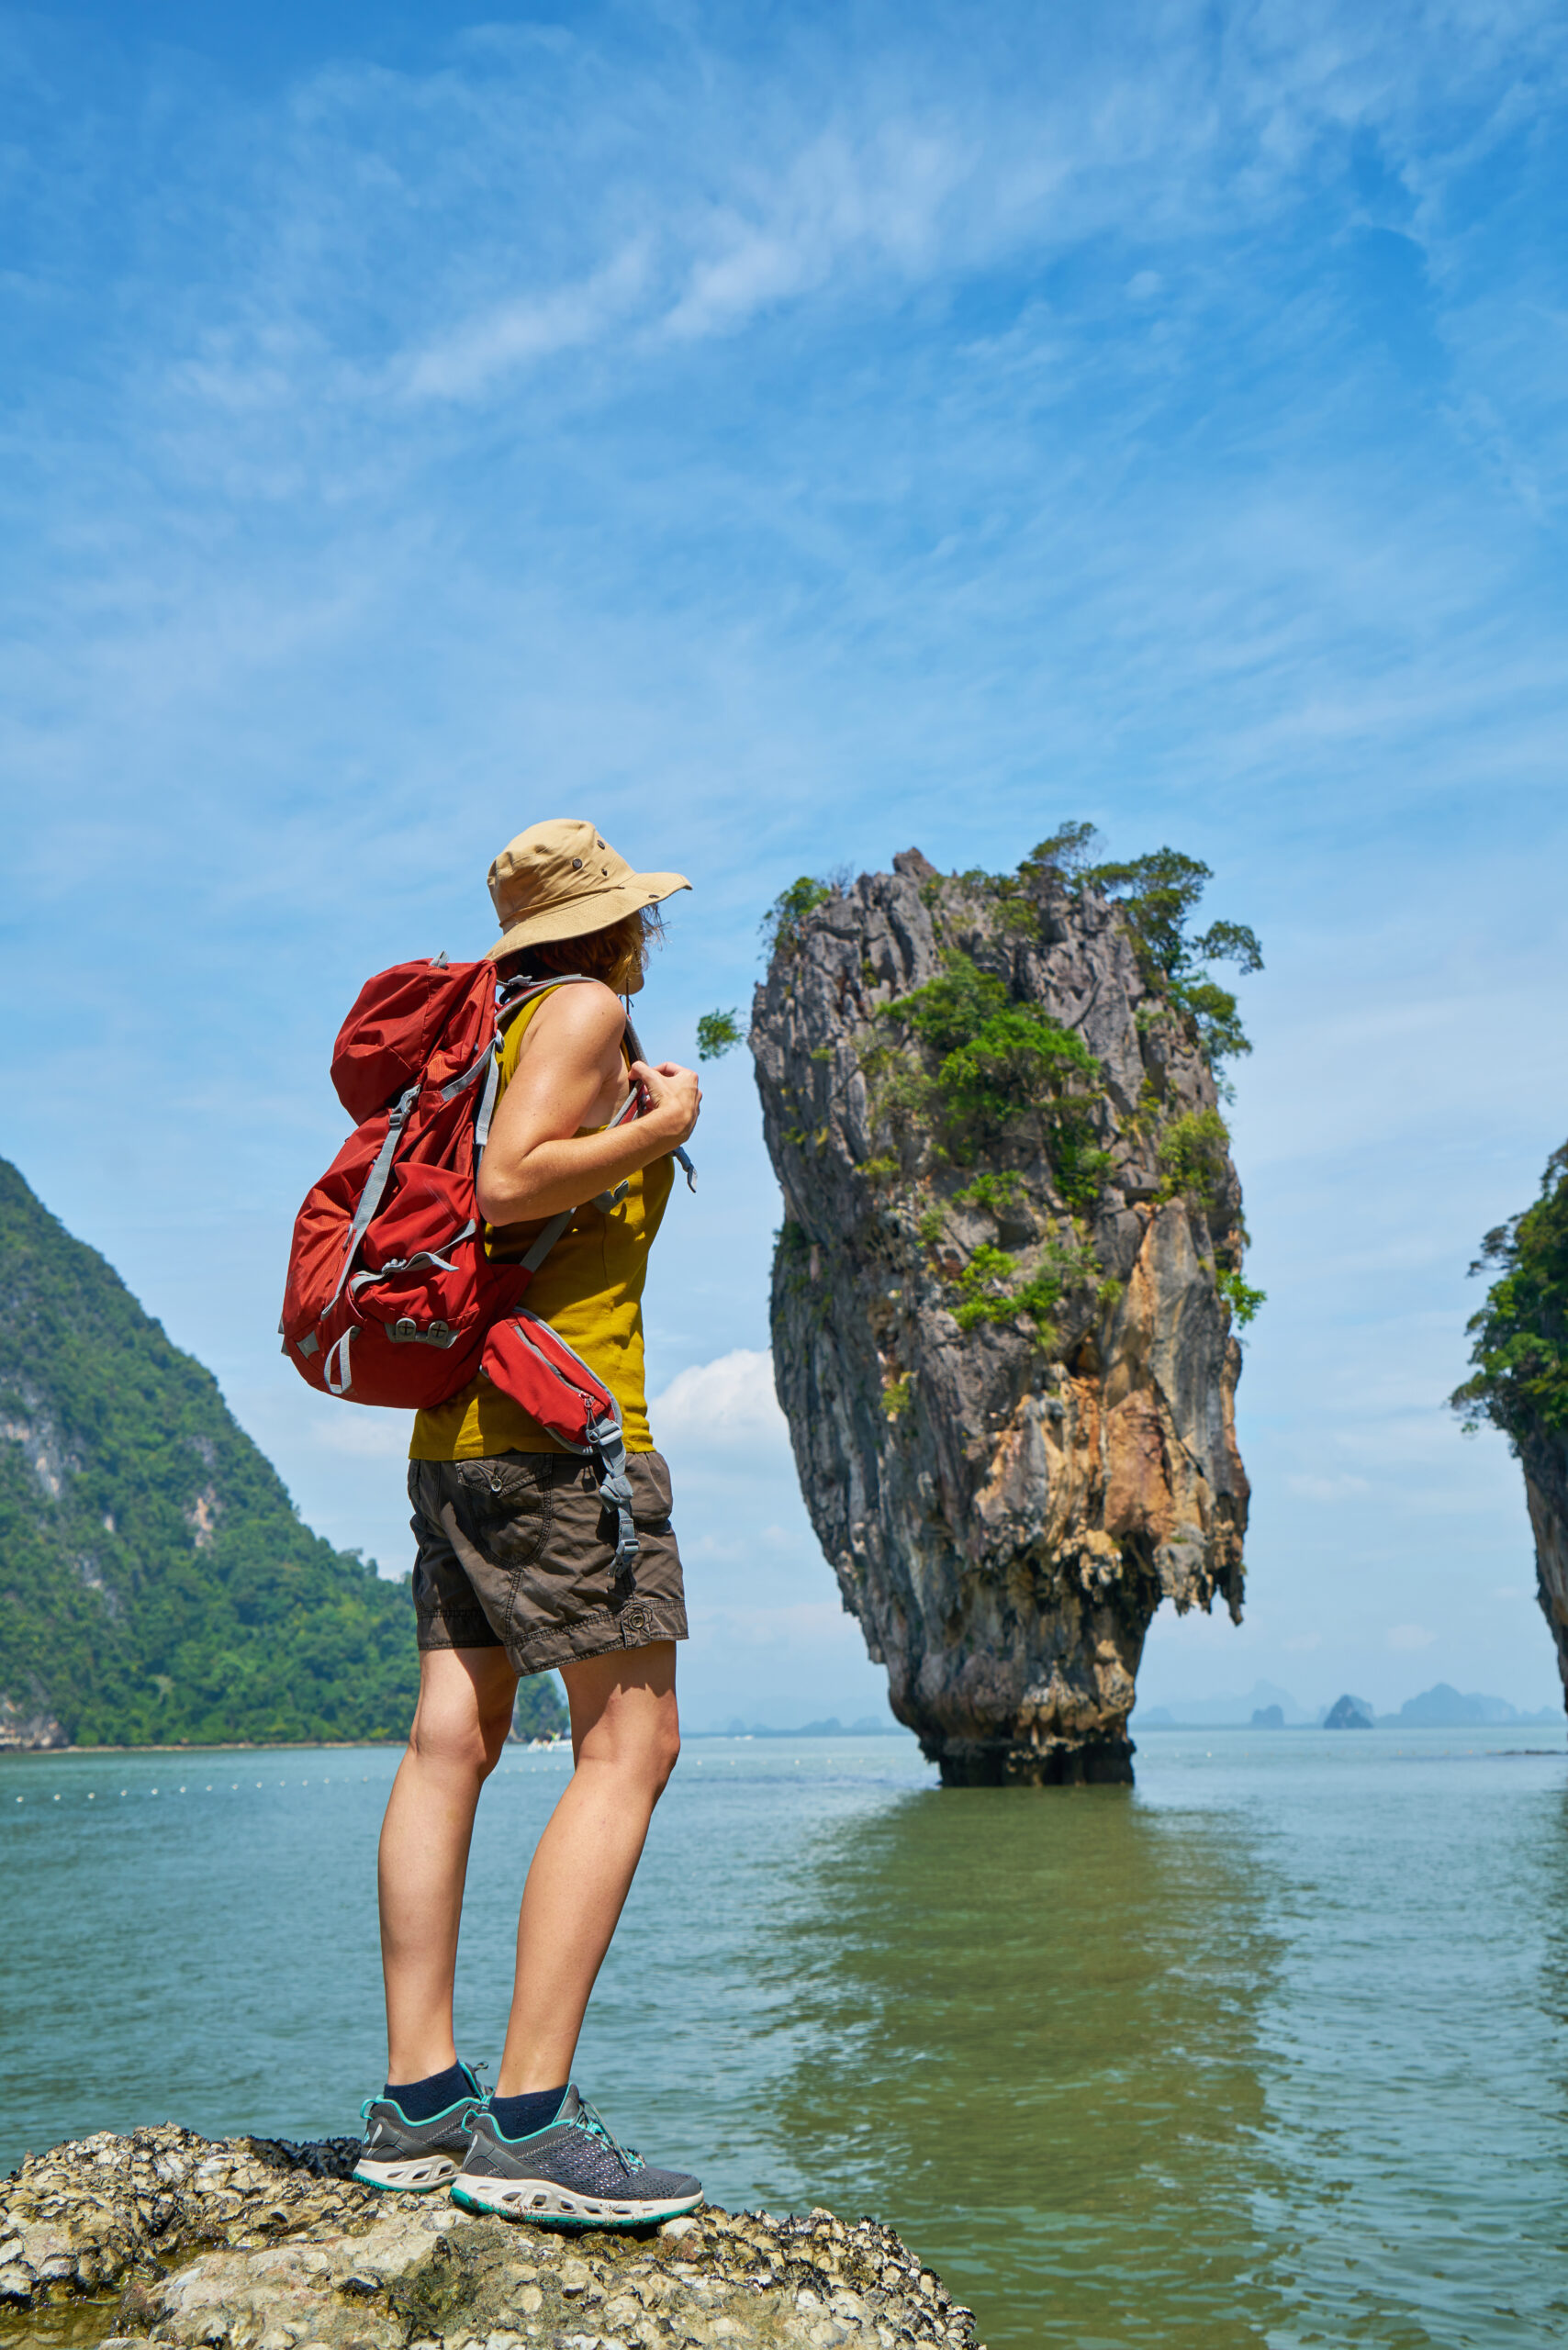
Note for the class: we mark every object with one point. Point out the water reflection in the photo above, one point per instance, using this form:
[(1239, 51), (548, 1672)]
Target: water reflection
[(1273, 2051), (1033, 2031), (1417, 2110)]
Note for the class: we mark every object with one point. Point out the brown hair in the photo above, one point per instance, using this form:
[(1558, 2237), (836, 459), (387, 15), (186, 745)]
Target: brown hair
[(618, 955)]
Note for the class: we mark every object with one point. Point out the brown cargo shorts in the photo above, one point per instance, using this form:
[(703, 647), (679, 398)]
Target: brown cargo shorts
[(516, 1552)]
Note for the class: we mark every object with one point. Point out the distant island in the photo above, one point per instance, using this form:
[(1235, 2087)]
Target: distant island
[(1265, 1706), (157, 1586), (864, 1726)]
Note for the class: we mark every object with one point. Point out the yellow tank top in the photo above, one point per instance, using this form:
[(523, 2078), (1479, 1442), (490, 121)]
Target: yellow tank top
[(589, 1288)]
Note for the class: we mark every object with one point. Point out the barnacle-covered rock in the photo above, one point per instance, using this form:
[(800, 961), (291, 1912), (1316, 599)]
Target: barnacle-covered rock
[(171, 2241)]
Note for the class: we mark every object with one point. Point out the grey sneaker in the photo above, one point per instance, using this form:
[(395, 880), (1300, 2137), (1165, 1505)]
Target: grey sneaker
[(411, 2157), (571, 2173)]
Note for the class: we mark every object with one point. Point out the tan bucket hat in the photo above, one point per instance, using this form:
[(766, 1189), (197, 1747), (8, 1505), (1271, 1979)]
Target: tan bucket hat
[(562, 879)]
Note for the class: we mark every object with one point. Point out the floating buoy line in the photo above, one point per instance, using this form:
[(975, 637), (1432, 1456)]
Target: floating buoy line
[(555, 1751)]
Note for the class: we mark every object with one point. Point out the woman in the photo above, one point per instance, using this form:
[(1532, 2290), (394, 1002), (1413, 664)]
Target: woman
[(515, 1574)]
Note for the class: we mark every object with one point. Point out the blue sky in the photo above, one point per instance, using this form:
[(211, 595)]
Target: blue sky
[(786, 435)]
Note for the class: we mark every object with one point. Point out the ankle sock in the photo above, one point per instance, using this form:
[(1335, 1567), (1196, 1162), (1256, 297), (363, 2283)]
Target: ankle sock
[(519, 2117), (422, 2100)]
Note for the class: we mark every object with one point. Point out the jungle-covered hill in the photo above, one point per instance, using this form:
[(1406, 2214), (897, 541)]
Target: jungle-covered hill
[(156, 1582)]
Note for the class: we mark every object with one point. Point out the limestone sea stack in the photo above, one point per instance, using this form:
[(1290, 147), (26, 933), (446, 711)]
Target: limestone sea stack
[(1004, 1288), (169, 2241)]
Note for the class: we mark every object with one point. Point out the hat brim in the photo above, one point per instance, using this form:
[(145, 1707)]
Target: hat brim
[(593, 910)]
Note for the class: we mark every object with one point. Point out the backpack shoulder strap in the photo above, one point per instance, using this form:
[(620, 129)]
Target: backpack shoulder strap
[(634, 1048), (513, 998), (517, 992)]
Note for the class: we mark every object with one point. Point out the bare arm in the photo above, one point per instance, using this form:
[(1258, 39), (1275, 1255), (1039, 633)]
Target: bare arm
[(570, 1074)]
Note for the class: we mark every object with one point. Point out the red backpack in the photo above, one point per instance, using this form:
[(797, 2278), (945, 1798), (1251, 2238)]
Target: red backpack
[(392, 1297)]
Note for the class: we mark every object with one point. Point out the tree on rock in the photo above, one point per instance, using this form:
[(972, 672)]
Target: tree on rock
[(1520, 1379)]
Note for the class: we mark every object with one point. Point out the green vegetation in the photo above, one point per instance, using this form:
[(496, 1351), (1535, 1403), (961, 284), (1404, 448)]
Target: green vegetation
[(895, 1396), (718, 1033), (993, 1192), (989, 1289), (541, 1709), (961, 1072), (1193, 1155), (1064, 853), (1158, 895), (1240, 1295), (986, 1289), (156, 1585), (1001, 1062), (950, 1011), (1521, 1335), (782, 922)]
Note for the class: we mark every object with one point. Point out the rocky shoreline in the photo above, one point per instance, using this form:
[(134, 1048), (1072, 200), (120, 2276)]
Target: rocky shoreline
[(172, 2241)]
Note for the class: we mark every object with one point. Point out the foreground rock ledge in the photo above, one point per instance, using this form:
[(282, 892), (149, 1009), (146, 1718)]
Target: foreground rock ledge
[(249, 2243)]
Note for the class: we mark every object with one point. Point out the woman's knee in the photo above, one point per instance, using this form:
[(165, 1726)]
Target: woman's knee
[(495, 1728), (659, 1745), (643, 1753), (452, 1744), (665, 1754), (462, 1722)]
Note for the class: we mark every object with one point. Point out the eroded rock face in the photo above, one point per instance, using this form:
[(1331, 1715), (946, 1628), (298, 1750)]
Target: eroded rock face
[(1004, 1504), (168, 2240), (1544, 1458), (27, 1726)]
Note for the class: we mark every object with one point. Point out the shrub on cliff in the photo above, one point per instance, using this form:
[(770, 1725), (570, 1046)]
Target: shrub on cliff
[(781, 923), (968, 1070), (1158, 895), (1521, 1335), (998, 1063)]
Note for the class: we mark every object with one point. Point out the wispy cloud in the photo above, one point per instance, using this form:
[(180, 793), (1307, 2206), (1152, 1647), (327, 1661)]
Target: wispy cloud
[(467, 362), (877, 206)]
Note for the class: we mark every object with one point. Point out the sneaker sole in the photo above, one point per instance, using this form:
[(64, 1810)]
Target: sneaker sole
[(543, 2204), (416, 2175)]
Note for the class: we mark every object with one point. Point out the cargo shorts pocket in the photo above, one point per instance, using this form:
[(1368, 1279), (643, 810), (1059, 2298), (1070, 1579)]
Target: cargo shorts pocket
[(653, 1496), (502, 1508)]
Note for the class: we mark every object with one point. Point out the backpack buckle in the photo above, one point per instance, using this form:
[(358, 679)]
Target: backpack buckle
[(406, 1331)]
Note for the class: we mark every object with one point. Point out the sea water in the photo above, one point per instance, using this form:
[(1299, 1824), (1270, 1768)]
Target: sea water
[(1269, 2049)]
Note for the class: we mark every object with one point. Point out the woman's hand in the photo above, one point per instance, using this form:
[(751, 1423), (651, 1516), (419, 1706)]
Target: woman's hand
[(570, 1074), (672, 1101)]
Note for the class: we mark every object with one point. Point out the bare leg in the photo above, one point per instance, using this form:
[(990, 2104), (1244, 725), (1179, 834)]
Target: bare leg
[(626, 1740), (460, 1727)]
